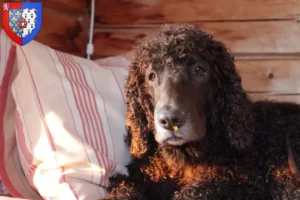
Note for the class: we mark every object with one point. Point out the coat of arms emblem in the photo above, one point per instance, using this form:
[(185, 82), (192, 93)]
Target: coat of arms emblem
[(22, 20)]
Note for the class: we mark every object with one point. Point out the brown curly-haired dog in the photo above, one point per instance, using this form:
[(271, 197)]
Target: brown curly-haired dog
[(193, 132)]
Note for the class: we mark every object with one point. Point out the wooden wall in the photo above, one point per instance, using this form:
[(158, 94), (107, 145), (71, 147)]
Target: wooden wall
[(264, 35)]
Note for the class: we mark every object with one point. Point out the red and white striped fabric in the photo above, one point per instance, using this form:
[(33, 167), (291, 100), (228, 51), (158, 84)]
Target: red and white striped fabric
[(62, 123)]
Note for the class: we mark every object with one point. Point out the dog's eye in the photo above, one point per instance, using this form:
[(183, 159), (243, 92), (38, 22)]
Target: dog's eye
[(199, 70), (152, 76)]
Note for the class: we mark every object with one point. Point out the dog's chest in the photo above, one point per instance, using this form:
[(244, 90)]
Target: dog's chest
[(163, 189)]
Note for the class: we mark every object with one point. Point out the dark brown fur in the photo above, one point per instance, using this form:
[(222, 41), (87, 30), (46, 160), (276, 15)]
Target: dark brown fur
[(244, 154)]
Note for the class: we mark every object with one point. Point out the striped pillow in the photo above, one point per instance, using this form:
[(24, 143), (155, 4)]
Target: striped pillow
[(69, 115)]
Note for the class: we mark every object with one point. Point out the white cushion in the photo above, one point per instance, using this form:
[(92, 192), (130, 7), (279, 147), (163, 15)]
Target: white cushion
[(69, 115)]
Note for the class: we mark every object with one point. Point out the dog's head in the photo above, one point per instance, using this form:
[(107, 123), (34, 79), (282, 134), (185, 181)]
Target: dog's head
[(182, 86), (181, 90)]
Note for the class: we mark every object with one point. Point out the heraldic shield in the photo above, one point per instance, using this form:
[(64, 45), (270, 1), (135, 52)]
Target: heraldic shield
[(22, 21)]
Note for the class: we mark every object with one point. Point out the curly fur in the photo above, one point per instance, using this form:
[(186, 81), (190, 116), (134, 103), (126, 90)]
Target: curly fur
[(246, 153)]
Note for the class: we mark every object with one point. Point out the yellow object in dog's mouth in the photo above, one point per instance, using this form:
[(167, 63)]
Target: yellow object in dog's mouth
[(175, 128)]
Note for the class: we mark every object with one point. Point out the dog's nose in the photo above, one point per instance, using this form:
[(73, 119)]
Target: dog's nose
[(169, 119)]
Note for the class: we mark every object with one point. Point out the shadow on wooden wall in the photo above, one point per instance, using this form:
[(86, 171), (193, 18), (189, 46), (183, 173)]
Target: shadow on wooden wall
[(264, 35)]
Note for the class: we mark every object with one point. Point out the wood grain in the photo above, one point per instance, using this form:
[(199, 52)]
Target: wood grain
[(241, 37), (166, 11), (274, 80), (62, 33), (295, 98), (270, 76), (67, 7)]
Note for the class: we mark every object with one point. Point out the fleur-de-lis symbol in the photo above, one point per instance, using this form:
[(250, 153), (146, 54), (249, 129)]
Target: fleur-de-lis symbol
[(14, 19), (18, 13)]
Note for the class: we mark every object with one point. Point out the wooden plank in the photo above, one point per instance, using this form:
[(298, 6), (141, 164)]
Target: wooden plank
[(270, 76), (267, 56), (240, 37), (280, 98), (68, 7), (62, 33), (166, 11), (273, 80)]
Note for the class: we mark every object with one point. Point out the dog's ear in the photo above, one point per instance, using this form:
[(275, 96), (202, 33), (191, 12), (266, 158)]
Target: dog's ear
[(235, 109), (139, 117)]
